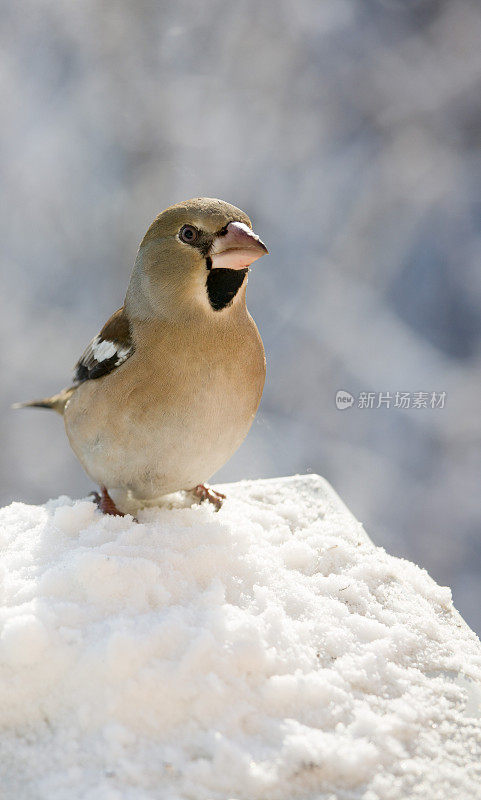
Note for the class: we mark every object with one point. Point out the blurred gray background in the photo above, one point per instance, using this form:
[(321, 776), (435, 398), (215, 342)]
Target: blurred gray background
[(349, 130)]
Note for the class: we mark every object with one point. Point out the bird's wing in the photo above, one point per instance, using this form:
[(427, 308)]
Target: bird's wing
[(108, 350)]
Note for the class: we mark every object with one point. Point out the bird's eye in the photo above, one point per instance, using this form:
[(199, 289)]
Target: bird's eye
[(188, 234)]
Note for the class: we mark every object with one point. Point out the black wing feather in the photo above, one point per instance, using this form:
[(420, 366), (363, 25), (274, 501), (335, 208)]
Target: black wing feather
[(106, 351)]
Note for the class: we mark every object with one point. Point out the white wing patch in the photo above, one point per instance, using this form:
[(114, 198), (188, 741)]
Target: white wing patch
[(123, 353), (101, 357), (103, 349)]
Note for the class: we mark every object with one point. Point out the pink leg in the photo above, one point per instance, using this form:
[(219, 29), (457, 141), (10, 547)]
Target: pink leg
[(106, 504), (204, 492)]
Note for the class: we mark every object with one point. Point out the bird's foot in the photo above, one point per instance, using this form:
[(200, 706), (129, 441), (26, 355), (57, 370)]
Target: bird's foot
[(204, 492), (105, 503)]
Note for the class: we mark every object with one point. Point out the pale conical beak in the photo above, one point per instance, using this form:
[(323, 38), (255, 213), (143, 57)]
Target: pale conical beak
[(237, 248)]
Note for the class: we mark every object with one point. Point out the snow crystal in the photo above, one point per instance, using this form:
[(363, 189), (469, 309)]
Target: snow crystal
[(267, 651)]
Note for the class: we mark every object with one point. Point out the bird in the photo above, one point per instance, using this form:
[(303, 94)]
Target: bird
[(167, 391)]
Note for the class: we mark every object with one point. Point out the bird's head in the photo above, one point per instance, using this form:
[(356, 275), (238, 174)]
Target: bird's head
[(196, 254)]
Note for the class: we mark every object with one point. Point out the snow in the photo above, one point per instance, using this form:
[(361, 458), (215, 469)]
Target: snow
[(266, 652)]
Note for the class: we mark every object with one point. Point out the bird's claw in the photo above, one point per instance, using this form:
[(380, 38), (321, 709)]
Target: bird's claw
[(105, 504), (204, 492)]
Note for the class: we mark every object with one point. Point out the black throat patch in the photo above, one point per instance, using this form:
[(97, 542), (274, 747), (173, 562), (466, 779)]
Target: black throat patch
[(223, 285)]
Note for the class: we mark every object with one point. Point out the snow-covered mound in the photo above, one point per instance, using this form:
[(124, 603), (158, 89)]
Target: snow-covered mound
[(266, 652)]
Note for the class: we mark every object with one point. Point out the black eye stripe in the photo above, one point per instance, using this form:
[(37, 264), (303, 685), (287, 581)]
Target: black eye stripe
[(201, 239)]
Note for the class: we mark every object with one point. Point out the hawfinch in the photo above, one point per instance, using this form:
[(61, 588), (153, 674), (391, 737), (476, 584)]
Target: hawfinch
[(168, 389)]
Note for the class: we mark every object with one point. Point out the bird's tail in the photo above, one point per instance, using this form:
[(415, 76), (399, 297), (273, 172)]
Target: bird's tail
[(56, 403)]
